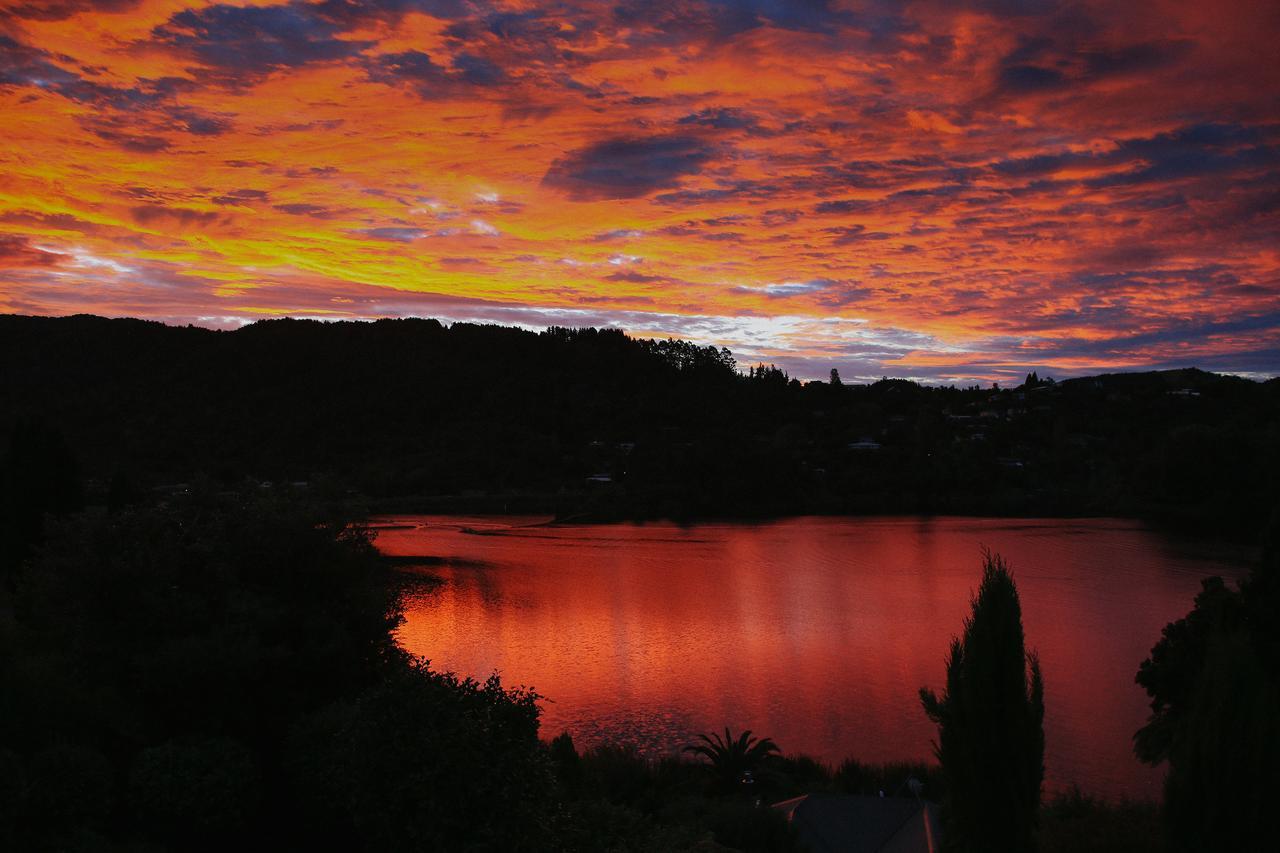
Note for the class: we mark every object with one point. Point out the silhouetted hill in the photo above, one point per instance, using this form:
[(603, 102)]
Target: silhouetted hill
[(590, 422), (1154, 381)]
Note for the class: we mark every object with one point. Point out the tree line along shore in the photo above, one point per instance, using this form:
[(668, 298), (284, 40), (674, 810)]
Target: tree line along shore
[(594, 425)]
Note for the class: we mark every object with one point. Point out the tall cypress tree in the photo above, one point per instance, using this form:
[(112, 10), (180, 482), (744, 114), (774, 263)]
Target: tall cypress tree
[(991, 725)]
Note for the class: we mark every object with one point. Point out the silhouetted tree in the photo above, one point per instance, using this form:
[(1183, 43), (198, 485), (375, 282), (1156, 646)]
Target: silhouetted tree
[(730, 758), (1172, 673), (567, 762), (1215, 711), (991, 724), (427, 761), (835, 378)]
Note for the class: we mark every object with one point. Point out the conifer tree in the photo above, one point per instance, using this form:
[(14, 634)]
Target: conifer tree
[(991, 725)]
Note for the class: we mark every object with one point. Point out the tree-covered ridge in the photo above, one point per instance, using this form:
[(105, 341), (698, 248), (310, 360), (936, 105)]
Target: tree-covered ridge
[(592, 422)]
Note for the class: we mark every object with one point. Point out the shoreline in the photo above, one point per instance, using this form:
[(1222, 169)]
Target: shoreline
[(1178, 522)]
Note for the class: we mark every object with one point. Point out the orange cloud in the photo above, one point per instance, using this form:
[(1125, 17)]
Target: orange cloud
[(931, 189)]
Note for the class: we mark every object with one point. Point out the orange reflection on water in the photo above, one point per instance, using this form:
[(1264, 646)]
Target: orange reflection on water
[(816, 632)]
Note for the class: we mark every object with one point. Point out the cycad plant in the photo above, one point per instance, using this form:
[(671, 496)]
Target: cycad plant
[(730, 759)]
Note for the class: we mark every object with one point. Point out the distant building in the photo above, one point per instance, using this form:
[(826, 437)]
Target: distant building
[(832, 823)]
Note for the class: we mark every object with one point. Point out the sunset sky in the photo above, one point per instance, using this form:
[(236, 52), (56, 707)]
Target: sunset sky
[(940, 189)]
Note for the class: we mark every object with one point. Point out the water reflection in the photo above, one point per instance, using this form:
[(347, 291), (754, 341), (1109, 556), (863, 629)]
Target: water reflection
[(817, 632)]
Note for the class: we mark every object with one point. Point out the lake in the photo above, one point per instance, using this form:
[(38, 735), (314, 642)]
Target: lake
[(817, 632)]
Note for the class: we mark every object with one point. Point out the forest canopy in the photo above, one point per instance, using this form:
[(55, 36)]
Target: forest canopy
[(593, 423)]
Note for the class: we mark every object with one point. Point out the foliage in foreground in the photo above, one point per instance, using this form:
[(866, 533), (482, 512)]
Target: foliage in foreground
[(222, 675), (732, 760), (623, 801), (991, 724), (1072, 822), (1214, 682)]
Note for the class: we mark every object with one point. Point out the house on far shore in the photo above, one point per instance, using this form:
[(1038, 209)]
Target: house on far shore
[(837, 823)]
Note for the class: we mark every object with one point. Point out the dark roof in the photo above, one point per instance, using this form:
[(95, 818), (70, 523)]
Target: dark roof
[(829, 823)]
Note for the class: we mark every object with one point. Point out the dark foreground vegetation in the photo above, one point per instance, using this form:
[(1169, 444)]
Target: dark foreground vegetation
[(218, 671), (1214, 683), (593, 424), (991, 724)]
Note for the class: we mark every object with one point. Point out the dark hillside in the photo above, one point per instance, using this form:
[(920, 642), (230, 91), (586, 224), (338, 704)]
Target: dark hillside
[(421, 415)]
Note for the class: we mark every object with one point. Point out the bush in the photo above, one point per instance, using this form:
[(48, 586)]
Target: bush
[(618, 774), (426, 761), (69, 786), (855, 777), (1073, 821), (195, 792)]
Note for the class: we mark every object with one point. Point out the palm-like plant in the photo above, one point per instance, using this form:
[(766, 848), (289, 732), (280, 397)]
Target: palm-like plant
[(731, 758)]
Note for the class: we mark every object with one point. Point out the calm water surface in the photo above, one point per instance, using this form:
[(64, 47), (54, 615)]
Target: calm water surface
[(817, 632)]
